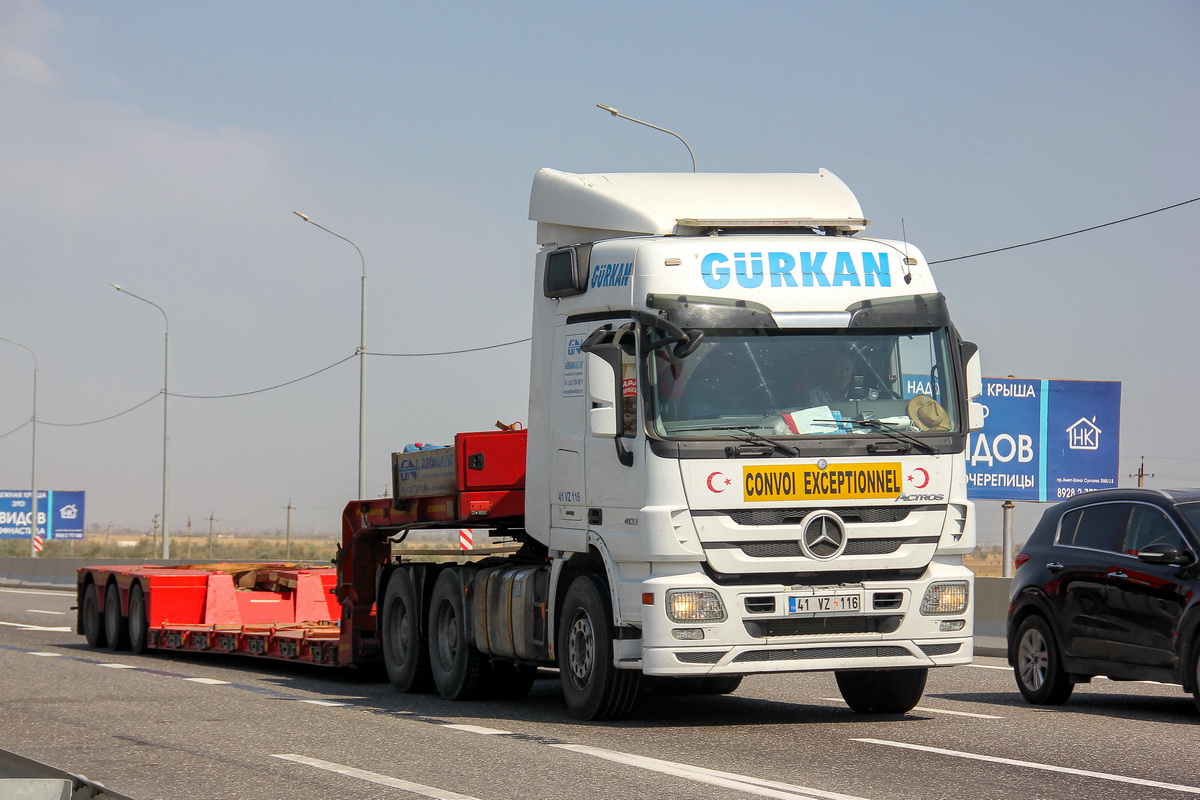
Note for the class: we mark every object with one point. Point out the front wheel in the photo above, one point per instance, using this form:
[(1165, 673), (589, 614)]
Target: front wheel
[(1038, 670), (882, 691), (592, 686)]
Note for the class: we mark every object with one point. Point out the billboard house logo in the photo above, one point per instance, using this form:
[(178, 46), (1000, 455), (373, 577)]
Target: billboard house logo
[(1084, 434)]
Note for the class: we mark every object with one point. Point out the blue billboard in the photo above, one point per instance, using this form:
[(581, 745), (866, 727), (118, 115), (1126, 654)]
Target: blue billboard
[(1044, 440), (60, 514)]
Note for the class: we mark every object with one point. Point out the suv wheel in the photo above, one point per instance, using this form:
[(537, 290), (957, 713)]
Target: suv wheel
[(1038, 668)]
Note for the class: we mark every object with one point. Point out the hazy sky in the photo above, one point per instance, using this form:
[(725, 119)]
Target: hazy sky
[(163, 146)]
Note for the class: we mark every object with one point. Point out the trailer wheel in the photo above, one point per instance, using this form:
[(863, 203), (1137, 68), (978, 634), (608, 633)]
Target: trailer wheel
[(882, 691), (405, 652), (93, 620), (138, 627), (594, 689), (116, 627), (458, 668)]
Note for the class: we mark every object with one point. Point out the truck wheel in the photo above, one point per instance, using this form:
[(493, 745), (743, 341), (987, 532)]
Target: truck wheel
[(458, 668), (1038, 668), (720, 684), (92, 619), (138, 627), (116, 627), (405, 653), (882, 691), (594, 688)]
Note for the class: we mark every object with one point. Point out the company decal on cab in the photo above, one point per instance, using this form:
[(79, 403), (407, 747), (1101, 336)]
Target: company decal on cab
[(809, 482)]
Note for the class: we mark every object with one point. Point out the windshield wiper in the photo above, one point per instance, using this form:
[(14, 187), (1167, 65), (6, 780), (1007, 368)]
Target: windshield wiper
[(756, 438), (890, 430)]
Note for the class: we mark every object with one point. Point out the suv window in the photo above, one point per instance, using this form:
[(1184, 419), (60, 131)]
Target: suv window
[(1149, 525), (1099, 527)]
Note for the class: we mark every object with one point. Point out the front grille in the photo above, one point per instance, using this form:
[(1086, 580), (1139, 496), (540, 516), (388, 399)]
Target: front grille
[(794, 516), (815, 626), (854, 547), (793, 654), (941, 649), (704, 657)]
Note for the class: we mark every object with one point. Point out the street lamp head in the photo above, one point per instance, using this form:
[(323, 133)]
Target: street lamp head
[(609, 109), (118, 288), (301, 216)]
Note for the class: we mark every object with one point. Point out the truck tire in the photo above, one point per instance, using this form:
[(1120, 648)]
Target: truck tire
[(459, 670), (116, 627), (138, 627), (405, 651), (1038, 667), (91, 620), (594, 689), (882, 691)]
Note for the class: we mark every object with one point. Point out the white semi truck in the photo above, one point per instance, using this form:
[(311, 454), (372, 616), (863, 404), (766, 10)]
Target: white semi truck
[(745, 454)]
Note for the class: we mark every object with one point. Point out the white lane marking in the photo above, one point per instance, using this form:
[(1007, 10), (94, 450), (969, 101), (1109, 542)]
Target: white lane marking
[(117, 666), (35, 591), (1106, 776), (39, 611), (208, 681), (63, 629), (990, 666), (329, 703), (931, 710), (375, 777), (46, 655), (476, 729), (742, 783)]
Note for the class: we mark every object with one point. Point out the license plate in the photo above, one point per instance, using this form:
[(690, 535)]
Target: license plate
[(825, 604)]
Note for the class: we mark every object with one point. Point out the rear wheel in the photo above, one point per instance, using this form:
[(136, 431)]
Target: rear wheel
[(593, 687), (116, 627), (1038, 670), (405, 652), (92, 619), (138, 627), (882, 691), (459, 670)]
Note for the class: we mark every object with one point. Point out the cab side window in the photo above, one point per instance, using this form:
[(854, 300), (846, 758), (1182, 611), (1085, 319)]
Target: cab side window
[(1099, 527), (1149, 525)]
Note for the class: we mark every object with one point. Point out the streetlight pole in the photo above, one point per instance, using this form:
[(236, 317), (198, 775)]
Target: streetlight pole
[(362, 361), (166, 534), (35, 540), (616, 113)]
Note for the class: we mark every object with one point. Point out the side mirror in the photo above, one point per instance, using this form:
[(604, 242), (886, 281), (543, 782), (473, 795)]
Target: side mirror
[(974, 372), (603, 362), (1165, 554)]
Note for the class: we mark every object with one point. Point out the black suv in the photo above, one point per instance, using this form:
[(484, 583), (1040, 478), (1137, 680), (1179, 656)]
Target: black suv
[(1108, 584)]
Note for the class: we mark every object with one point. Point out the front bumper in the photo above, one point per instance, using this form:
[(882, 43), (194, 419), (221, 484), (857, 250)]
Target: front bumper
[(760, 636)]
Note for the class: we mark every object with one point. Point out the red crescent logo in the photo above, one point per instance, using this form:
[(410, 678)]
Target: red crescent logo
[(712, 488), (924, 478)]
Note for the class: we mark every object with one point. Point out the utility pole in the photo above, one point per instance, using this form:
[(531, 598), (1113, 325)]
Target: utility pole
[(211, 519), (1141, 474), (189, 538), (154, 534), (287, 556)]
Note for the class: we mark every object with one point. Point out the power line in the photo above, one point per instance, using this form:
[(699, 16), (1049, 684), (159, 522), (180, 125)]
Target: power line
[(267, 389), (454, 352), (106, 419), (1063, 235)]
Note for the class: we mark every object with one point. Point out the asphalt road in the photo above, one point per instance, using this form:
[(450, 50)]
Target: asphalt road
[(226, 727)]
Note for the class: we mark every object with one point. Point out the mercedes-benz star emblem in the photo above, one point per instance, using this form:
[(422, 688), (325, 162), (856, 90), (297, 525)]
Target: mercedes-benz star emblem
[(824, 535)]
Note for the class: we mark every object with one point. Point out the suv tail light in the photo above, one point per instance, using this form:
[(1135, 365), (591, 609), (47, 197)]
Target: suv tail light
[(1021, 559)]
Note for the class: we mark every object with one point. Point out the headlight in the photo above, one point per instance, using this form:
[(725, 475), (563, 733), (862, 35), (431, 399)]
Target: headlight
[(945, 598), (694, 605)]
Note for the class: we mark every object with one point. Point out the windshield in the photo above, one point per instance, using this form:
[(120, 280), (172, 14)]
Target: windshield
[(800, 383)]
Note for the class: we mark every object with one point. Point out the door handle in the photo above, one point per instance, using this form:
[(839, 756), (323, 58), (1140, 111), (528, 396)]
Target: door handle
[(1054, 566), (1118, 576)]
